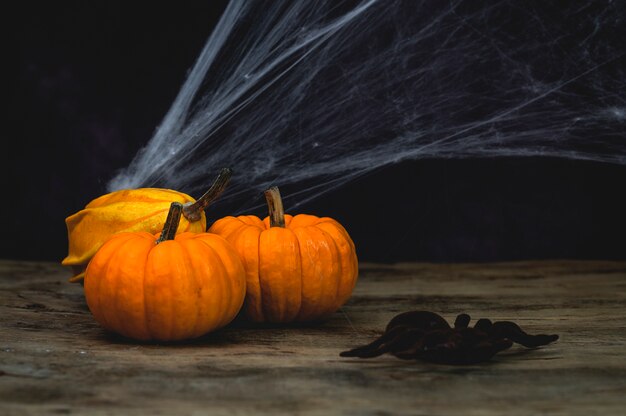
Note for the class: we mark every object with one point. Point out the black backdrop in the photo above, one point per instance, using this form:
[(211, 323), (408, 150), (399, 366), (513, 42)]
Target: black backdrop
[(91, 81)]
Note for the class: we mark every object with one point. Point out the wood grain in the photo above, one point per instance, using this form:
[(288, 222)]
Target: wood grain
[(55, 359)]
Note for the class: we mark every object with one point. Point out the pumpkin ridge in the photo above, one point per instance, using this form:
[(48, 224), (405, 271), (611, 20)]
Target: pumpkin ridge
[(224, 273), (258, 278), (189, 260), (256, 283), (115, 307), (187, 246), (141, 323), (95, 304), (162, 254), (226, 288), (109, 254), (324, 256), (283, 311), (328, 236), (144, 252), (340, 234), (301, 221), (301, 277), (143, 291), (216, 227), (252, 221), (267, 314), (239, 223)]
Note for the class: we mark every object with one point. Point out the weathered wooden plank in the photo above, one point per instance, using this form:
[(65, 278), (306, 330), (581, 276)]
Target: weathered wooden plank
[(55, 359)]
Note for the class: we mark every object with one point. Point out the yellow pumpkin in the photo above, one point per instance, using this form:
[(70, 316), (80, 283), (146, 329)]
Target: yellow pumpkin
[(170, 288), (143, 209), (298, 268)]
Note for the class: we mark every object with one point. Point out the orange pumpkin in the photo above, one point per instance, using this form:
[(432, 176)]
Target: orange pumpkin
[(170, 288), (143, 209), (298, 268)]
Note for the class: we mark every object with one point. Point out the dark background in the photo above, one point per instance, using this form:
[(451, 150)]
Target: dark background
[(91, 82)]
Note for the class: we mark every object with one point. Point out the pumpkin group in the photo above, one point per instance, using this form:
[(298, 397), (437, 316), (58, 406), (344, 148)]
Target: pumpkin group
[(166, 288), (298, 268), (128, 210)]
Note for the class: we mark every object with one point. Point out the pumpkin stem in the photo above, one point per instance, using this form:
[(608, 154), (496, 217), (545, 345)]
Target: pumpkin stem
[(171, 223), (193, 210), (275, 205)]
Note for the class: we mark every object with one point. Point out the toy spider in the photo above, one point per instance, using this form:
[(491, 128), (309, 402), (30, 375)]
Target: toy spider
[(427, 336)]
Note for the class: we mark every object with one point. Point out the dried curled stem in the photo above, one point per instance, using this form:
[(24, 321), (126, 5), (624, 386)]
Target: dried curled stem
[(275, 206), (171, 223), (193, 210)]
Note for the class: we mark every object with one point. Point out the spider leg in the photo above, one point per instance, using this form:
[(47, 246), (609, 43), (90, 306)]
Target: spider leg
[(512, 331), (484, 325), (426, 321), (484, 351), (441, 338), (408, 345), (462, 321), (464, 346), (379, 346), (444, 347), (427, 336)]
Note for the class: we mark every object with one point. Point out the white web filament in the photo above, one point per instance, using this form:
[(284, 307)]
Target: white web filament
[(316, 93)]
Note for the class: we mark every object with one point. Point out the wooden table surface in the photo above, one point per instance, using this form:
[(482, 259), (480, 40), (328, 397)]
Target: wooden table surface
[(55, 359)]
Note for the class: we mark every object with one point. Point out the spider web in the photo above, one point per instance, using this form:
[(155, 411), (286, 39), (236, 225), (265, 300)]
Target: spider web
[(313, 94)]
